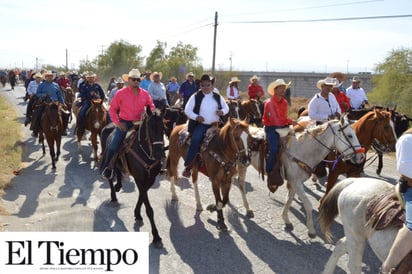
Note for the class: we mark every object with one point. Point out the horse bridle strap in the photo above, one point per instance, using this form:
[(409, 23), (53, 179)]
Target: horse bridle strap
[(141, 161), (226, 166)]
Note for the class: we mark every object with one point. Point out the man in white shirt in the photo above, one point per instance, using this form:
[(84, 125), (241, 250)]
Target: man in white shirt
[(323, 106), (232, 91), (356, 94)]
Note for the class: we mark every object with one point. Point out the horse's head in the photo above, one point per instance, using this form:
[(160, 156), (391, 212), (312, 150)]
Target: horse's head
[(384, 131), (151, 134), (52, 111), (252, 108), (238, 132), (98, 113), (401, 122), (345, 140)]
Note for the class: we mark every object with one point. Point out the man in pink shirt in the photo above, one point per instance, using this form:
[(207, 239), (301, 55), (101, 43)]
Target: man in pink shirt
[(127, 107)]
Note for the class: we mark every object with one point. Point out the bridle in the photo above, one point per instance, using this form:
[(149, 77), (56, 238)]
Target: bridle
[(150, 144)]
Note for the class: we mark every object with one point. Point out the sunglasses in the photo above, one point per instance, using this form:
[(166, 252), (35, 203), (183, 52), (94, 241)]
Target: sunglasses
[(135, 79), (205, 85)]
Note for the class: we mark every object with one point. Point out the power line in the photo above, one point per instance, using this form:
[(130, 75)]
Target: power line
[(321, 20)]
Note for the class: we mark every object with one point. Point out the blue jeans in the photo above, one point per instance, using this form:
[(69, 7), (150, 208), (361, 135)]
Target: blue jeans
[(272, 137), (118, 137), (82, 113), (196, 140), (407, 196)]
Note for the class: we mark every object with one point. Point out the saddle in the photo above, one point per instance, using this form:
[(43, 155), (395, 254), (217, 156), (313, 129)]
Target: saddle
[(384, 211)]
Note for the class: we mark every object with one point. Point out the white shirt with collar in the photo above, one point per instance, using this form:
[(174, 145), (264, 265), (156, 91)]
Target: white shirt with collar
[(208, 108), (320, 109), (356, 96), (404, 155)]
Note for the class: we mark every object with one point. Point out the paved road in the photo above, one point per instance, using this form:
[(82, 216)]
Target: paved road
[(74, 198)]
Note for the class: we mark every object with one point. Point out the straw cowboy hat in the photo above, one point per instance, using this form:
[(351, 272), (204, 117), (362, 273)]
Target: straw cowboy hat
[(155, 74), (134, 73), (90, 74), (355, 79), (279, 82), (234, 80), (48, 72), (119, 81), (338, 75), (38, 75), (329, 81), (254, 77), (189, 74)]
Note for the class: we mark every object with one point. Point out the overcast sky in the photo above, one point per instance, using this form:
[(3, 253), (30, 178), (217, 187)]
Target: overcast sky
[(44, 29)]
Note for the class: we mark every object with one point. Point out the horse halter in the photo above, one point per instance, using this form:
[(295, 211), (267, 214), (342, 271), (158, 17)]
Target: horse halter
[(346, 142), (151, 144), (55, 127), (244, 150)]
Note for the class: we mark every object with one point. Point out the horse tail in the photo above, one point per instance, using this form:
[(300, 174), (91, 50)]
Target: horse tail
[(328, 209)]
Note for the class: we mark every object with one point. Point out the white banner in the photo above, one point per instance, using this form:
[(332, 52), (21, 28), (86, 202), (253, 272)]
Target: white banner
[(74, 252)]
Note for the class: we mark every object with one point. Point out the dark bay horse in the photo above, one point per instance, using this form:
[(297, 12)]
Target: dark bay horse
[(69, 97), (51, 126), (375, 125), (220, 154), (142, 157), (243, 110), (173, 116), (95, 120)]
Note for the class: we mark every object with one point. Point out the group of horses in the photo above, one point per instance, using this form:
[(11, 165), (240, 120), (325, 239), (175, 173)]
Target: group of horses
[(229, 149)]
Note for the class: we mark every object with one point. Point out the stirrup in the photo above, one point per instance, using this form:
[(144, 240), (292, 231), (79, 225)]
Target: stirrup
[(107, 173)]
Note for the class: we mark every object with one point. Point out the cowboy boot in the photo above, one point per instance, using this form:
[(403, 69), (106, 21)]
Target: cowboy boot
[(400, 248)]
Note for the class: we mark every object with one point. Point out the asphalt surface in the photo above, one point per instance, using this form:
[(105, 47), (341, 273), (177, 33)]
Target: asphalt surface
[(74, 198)]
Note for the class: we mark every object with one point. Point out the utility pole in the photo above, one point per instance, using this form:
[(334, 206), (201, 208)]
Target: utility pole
[(230, 58), (214, 45), (67, 60)]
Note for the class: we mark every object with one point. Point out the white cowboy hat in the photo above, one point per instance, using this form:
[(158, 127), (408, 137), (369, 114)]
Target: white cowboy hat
[(134, 73), (279, 82), (190, 74), (119, 81), (48, 72), (90, 74), (234, 80), (154, 74), (254, 77), (329, 81), (38, 75), (355, 79)]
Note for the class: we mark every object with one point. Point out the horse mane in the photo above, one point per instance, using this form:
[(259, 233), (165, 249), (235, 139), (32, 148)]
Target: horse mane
[(369, 115), (313, 131)]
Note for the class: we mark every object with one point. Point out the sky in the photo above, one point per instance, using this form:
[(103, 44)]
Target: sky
[(39, 32)]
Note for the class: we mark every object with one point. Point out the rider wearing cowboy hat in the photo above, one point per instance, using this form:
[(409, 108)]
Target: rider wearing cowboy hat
[(232, 91)]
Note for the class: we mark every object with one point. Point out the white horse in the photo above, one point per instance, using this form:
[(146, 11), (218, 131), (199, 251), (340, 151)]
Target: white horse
[(349, 198), (301, 155)]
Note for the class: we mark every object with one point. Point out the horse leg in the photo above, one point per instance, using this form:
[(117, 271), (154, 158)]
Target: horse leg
[(113, 196), (137, 216), (41, 141), (93, 138), (119, 178), (58, 144), (199, 206), (355, 248), (52, 152), (308, 208), (285, 209), (380, 163), (241, 184), (157, 241), (338, 251), (171, 167)]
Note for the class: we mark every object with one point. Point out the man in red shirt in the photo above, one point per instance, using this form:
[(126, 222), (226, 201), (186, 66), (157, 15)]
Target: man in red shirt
[(255, 90), (275, 116), (63, 81), (343, 100)]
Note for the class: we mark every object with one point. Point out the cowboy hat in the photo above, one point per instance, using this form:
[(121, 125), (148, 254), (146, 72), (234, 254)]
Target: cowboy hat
[(329, 81), (37, 75), (90, 74), (338, 75), (155, 74), (234, 80), (279, 82), (119, 81), (134, 73), (355, 79), (48, 72), (254, 77), (189, 74)]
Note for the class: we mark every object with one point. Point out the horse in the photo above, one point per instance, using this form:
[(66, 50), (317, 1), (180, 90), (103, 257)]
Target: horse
[(142, 158), (69, 97), (301, 152), (51, 126), (374, 125), (94, 120), (243, 110), (221, 151), (349, 199), (173, 116)]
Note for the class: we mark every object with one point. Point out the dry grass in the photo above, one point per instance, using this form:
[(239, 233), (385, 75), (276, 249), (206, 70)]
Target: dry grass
[(10, 135)]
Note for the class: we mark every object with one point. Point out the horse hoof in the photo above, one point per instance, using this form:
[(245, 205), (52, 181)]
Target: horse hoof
[(211, 208), (222, 227), (117, 187), (250, 214), (312, 235), (378, 172), (288, 227), (53, 167), (139, 222), (199, 208), (157, 244)]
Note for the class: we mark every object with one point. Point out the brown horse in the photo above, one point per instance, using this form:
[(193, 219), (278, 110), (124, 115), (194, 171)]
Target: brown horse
[(375, 125), (51, 126), (69, 97), (220, 153), (244, 110), (94, 120)]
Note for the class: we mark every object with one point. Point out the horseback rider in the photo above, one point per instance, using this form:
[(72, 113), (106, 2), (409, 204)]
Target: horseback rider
[(203, 108), (275, 116), (255, 91), (126, 108), (48, 91), (88, 91), (403, 241), (31, 92)]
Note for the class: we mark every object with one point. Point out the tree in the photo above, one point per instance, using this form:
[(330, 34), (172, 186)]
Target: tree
[(119, 58), (393, 82), (156, 58)]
